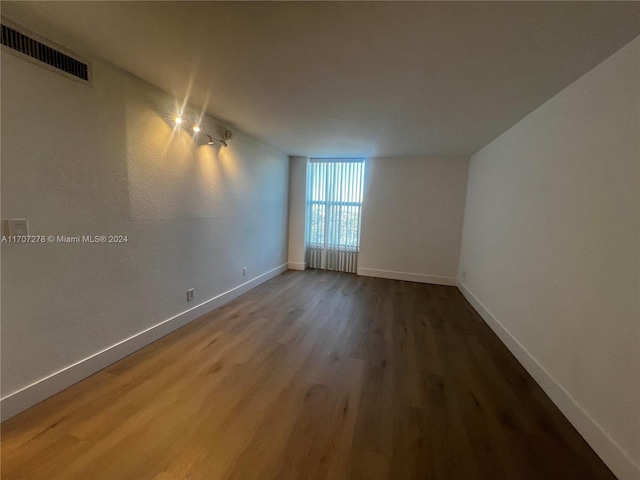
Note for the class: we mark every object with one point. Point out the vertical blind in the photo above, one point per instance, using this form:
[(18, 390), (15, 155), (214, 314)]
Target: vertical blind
[(334, 202)]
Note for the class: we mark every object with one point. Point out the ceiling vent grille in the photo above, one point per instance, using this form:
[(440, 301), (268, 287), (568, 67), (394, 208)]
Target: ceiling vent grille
[(43, 53)]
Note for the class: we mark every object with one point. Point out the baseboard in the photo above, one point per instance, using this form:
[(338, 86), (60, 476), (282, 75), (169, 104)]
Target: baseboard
[(408, 277), (297, 265), (608, 450), (38, 391)]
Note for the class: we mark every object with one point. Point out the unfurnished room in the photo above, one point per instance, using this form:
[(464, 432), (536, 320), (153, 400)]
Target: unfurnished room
[(368, 240)]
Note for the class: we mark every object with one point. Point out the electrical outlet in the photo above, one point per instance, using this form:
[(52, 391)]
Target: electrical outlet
[(244, 272), (190, 293), (279, 257), (464, 275), (17, 227)]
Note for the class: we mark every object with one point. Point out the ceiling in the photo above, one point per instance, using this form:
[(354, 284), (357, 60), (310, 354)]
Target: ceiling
[(387, 79)]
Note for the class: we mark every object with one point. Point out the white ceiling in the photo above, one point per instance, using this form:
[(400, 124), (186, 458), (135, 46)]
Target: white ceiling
[(398, 79)]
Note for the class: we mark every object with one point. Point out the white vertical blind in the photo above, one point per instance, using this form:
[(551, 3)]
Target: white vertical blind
[(334, 202)]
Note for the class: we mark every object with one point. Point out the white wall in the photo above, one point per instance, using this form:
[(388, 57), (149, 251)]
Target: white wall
[(297, 212), (551, 251), (412, 219), (106, 160)]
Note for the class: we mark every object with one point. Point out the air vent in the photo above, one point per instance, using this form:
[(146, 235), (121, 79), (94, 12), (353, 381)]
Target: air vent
[(43, 53)]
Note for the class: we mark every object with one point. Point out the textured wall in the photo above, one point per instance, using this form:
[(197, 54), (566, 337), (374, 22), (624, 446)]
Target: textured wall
[(106, 160)]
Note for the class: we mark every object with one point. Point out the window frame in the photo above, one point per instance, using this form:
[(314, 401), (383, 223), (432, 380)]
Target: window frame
[(346, 246)]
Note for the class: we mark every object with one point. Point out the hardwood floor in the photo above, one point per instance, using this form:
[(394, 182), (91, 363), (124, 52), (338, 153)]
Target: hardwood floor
[(313, 375)]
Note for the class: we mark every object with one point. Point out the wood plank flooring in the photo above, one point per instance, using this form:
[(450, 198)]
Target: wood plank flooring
[(313, 375)]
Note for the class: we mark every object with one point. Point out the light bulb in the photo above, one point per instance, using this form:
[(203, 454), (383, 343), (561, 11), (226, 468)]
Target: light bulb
[(196, 128), (178, 120)]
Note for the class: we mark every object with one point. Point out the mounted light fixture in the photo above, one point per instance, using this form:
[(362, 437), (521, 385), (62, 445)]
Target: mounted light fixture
[(180, 122), (213, 140), (227, 136)]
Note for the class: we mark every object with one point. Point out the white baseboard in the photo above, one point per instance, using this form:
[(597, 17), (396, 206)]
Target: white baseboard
[(610, 452), (409, 277), (297, 265), (38, 391)]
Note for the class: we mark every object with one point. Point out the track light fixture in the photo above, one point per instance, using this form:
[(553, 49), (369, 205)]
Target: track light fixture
[(224, 141), (219, 140)]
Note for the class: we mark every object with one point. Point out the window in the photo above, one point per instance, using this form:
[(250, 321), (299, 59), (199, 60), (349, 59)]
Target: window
[(334, 201)]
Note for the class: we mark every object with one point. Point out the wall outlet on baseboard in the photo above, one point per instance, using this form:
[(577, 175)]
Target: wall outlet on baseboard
[(463, 275), (244, 271), (17, 227), (190, 293)]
